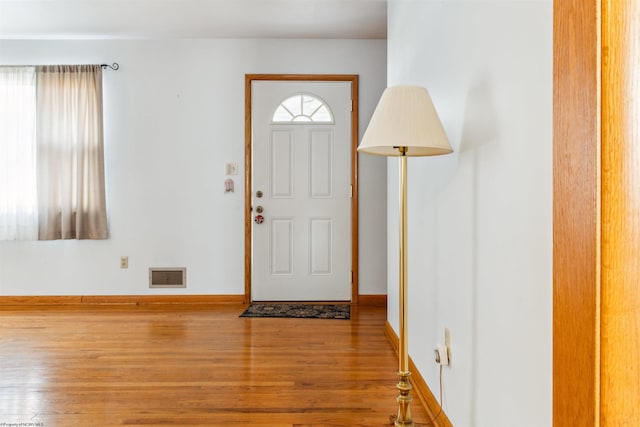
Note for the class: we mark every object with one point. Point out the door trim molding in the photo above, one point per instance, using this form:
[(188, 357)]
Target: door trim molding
[(248, 143), (596, 231)]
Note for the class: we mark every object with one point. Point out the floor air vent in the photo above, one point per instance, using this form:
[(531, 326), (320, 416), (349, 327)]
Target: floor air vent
[(168, 277)]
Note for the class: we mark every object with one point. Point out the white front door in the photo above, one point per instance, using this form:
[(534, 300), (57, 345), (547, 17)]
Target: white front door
[(302, 188)]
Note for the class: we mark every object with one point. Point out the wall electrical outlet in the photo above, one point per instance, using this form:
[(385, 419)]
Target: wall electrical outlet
[(443, 351), (442, 356), (124, 262), (447, 340)]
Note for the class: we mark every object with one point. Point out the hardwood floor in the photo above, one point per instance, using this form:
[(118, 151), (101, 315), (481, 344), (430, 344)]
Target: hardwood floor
[(194, 365)]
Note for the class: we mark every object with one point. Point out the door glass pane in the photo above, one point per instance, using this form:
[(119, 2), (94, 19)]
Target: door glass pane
[(302, 108)]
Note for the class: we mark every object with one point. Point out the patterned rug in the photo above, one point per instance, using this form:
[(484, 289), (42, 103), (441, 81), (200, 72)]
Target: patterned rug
[(300, 311)]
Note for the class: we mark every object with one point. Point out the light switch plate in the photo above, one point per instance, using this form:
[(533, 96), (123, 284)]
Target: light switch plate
[(232, 168)]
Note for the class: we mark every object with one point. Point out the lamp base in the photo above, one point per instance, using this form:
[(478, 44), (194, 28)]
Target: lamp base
[(404, 401)]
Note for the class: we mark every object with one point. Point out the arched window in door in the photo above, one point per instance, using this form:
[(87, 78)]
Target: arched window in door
[(302, 108)]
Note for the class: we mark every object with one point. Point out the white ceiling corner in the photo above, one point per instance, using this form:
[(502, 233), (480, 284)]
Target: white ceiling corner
[(95, 19)]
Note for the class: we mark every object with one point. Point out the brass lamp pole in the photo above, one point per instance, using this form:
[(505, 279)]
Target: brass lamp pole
[(404, 386), (405, 123)]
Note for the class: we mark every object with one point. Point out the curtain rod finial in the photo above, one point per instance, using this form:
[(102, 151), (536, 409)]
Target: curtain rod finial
[(113, 66)]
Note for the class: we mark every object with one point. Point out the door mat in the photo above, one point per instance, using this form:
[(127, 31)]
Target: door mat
[(299, 311)]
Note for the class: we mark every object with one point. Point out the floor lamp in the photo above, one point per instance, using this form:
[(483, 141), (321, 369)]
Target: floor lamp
[(405, 123)]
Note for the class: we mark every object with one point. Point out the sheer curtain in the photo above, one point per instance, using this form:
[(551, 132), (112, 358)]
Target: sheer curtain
[(71, 194), (18, 197)]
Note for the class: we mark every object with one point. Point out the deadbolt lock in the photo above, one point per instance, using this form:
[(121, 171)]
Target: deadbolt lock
[(259, 209), (259, 194)]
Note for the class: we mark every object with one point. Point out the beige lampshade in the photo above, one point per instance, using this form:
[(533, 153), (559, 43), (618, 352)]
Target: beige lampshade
[(405, 117)]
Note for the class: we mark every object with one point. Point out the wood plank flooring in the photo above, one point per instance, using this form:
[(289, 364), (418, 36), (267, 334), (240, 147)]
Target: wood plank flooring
[(187, 365)]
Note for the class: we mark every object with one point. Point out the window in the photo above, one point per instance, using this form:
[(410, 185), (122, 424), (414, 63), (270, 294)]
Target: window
[(18, 214), (51, 153), (303, 108)]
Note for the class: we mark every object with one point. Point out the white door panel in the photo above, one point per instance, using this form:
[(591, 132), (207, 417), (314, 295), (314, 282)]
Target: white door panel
[(302, 250)]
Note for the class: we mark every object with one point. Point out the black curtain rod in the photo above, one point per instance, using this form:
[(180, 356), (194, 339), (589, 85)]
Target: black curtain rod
[(113, 66)]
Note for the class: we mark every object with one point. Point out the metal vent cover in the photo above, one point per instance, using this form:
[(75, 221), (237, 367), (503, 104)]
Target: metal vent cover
[(167, 277)]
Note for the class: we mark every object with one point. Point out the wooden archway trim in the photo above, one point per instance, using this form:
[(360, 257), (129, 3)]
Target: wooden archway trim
[(596, 219), (354, 80)]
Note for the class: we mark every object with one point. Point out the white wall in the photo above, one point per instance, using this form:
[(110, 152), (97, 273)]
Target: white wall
[(480, 220), (174, 114)]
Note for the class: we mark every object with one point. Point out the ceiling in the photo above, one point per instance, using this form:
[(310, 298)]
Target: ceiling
[(96, 19)]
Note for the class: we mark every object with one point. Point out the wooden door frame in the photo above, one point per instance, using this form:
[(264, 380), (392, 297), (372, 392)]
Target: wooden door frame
[(596, 230), (248, 146)]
